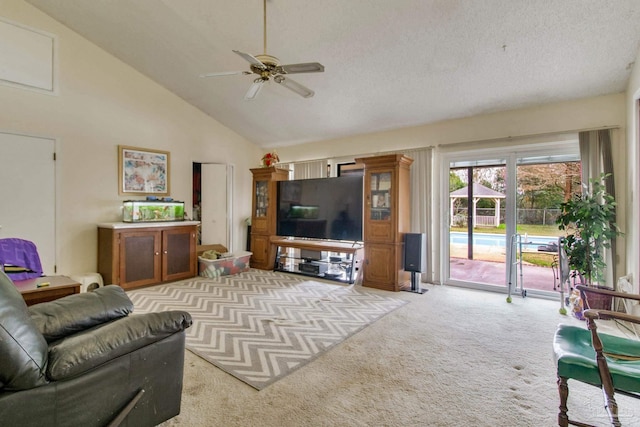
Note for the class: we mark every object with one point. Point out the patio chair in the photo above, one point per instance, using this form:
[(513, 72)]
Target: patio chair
[(610, 362)]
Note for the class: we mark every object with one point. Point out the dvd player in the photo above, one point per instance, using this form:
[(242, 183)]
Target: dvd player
[(312, 267)]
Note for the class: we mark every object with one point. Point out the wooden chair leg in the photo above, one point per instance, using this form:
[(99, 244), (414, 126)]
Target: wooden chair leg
[(611, 406), (563, 389), (605, 375)]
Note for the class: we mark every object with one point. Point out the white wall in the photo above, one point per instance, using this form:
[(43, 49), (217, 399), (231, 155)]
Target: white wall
[(103, 103), (633, 178), (589, 113)]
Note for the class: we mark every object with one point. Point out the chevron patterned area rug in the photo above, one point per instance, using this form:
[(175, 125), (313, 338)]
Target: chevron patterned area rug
[(260, 325)]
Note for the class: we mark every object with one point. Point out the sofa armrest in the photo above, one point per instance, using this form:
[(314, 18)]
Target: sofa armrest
[(74, 313), (81, 352)]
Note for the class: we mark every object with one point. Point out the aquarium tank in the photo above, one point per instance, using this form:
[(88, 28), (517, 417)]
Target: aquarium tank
[(152, 211)]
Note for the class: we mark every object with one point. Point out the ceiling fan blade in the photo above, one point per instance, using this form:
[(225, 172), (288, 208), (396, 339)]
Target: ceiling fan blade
[(251, 59), (224, 73), (306, 67), (254, 89), (296, 87)]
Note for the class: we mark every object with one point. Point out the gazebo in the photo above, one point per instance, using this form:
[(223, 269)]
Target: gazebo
[(479, 192)]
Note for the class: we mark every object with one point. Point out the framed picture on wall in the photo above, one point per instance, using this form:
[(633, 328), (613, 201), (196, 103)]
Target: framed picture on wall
[(142, 171)]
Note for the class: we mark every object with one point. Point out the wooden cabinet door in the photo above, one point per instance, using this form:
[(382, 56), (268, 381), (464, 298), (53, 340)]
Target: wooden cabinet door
[(261, 208), (178, 253), (140, 259), (383, 267), (380, 206), (379, 265), (260, 249)]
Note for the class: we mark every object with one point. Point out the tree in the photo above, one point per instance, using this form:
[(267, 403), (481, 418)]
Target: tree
[(455, 182), (546, 185)]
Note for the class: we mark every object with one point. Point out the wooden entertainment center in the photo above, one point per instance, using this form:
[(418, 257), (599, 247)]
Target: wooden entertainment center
[(387, 217), (263, 217), (377, 262)]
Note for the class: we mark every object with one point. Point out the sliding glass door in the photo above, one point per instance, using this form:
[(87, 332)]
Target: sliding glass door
[(501, 232), (543, 183), (477, 238)]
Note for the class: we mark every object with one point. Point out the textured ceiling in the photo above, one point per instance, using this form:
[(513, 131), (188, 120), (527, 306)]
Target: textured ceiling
[(388, 63)]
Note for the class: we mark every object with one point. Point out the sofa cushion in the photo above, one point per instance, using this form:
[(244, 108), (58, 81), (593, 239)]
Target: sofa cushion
[(23, 348), (74, 313)]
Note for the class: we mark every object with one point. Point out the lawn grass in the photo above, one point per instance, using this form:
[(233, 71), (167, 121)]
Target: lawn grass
[(540, 259)]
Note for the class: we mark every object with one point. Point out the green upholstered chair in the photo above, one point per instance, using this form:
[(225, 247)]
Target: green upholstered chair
[(610, 362)]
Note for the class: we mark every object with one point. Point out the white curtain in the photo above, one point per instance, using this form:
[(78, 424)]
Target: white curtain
[(287, 166), (421, 177), (313, 169), (596, 158)]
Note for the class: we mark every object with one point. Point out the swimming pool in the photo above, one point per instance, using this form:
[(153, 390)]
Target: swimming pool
[(498, 240)]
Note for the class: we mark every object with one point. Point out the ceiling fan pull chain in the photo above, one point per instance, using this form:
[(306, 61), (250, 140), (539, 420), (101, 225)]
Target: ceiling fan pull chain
[(265, 27)]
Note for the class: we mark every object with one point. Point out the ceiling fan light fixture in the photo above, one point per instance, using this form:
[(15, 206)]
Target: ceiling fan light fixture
[(254, 89)]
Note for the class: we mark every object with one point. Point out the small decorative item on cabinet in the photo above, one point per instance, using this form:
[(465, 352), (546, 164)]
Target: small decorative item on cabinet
[(270, 159)]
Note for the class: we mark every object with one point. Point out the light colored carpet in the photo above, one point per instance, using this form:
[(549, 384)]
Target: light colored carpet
[(452, 357), (261, 326)]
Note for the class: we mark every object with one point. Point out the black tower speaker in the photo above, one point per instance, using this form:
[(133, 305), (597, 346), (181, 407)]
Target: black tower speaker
[(414, 252)]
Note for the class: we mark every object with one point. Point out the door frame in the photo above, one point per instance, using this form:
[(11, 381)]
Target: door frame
[(563, 144), (230, 174)]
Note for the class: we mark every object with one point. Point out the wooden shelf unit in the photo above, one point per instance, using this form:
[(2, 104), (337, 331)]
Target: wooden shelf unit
[(386, 219), (263, 217), (292, 256)]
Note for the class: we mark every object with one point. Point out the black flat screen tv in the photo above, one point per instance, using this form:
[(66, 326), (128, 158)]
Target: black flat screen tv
[(322, 208)]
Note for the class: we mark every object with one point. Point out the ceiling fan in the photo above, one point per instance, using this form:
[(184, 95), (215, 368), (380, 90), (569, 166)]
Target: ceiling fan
[(267, 67)]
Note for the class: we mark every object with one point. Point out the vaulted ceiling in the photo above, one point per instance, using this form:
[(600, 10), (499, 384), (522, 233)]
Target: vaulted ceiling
[(388, 63)]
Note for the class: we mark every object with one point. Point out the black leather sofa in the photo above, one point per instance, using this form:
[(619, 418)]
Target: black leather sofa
[(84, 361)]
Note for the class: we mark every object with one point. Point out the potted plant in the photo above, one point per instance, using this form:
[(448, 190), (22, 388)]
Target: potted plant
[(589, 220)]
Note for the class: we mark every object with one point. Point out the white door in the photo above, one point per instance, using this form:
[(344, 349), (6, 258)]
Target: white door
[(27, 191), (214, 204)]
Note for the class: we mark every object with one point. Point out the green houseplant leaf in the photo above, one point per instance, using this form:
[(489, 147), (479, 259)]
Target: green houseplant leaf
[(589, 221)]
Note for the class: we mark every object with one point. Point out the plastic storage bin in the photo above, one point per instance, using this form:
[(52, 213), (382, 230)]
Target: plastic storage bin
[(229, 264)]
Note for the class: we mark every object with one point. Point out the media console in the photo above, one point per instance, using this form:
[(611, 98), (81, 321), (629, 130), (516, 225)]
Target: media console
[(326, 259)]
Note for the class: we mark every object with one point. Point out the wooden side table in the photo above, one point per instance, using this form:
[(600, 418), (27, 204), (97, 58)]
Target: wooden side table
[(59, 286)]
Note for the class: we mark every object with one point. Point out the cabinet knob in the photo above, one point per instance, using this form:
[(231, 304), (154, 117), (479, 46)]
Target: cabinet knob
[(165, 251), (157, 253)]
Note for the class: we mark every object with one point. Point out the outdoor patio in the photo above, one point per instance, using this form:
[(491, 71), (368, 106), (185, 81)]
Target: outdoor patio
[(489, 266), (493, 272)]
